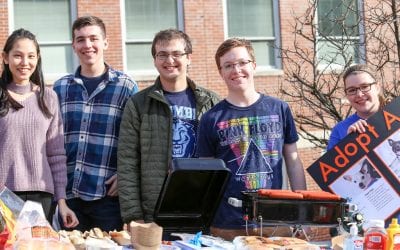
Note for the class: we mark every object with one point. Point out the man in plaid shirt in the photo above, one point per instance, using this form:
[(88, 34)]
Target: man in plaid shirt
[(92, 101)]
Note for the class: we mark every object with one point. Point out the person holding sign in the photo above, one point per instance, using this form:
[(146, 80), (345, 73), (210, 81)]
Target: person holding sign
[(365, 95), (253, 133)]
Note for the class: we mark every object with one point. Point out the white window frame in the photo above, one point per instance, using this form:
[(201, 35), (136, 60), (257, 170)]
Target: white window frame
[(361, 38), (263, 69), (150, 74), (49, 77)]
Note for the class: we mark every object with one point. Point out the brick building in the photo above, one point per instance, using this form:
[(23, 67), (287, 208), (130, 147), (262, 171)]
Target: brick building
[(131, 25)]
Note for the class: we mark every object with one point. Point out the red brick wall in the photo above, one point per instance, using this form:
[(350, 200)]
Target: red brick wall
[(308, 156), (287, 12), (109, 11), (3, 23), (204, 22)]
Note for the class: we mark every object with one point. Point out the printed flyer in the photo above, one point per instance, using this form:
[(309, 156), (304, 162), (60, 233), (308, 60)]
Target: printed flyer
[(365, 168)]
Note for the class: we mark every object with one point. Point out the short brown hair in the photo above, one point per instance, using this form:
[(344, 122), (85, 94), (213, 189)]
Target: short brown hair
[(84, 21), (233, 43), (169, 35), (357, 69), (363, 68)]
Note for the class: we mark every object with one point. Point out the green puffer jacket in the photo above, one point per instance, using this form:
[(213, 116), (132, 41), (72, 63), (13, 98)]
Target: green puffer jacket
[(145, 148)]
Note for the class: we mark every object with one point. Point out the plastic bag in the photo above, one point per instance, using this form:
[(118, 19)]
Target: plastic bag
[(33, 231), (12, 201), (32, 223), (10, 207)]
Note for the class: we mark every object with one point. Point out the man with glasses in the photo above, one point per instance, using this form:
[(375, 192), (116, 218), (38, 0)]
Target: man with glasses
[(252, 133), (159, 123), (365, 97)]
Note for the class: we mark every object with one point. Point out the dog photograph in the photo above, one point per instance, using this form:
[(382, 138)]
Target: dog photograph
[(389, 152), (357, 179), (364, 177), (395, 164)]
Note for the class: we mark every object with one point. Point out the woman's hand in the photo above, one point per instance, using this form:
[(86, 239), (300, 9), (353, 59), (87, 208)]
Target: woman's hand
[(68, 216), (359, 126)]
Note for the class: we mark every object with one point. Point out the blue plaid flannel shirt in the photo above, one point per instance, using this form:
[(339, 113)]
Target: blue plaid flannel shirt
[(91, 127)]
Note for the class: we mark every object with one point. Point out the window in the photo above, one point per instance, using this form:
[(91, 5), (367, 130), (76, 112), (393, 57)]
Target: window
[(143, 19), (50, 21), (257, 21), (338, 32)]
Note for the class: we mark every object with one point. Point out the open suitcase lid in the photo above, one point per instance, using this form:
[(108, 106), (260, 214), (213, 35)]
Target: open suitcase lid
[(191, 194)]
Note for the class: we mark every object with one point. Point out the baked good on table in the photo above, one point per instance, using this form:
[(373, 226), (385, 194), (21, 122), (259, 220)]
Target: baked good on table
[(253, 243), (97, 233), (271, 243), (93, 238), (123, 238), (103, 244), (75, 237), (40, 244)]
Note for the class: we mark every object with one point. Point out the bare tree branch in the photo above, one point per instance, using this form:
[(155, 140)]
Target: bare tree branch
[(324, 45)]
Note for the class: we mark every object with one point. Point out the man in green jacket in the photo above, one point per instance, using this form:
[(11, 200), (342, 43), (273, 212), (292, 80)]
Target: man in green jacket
[(159, 123)]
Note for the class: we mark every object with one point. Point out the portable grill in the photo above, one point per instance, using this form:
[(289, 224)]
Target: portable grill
[(278, 211), (298, 211)]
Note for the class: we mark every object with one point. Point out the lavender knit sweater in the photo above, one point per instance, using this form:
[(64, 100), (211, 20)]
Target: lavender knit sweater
[(32, 155)]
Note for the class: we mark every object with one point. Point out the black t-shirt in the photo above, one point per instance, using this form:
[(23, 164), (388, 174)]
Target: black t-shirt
[(91, 83)]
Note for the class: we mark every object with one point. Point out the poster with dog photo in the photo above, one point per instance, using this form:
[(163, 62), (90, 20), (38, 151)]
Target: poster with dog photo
[(365, 168), (364, 186)]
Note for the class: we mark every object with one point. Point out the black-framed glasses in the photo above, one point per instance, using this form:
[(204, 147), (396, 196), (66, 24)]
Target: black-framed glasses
[(231, 66), (176, 55), (363, 88)]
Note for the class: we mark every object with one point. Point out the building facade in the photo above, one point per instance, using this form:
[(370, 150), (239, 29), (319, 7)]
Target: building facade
[(131, 25)]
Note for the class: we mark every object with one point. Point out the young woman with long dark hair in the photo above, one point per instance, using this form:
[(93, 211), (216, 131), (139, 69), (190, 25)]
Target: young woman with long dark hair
[(32, 155)]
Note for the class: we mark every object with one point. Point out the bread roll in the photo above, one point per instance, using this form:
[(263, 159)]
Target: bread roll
[(97, 233), (272, 243), (123, 238), (38, 244), (76, 240)]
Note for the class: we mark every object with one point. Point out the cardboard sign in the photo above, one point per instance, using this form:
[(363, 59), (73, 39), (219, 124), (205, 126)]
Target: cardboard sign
[(365, 168)]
